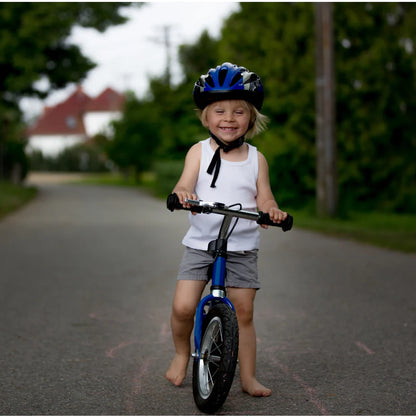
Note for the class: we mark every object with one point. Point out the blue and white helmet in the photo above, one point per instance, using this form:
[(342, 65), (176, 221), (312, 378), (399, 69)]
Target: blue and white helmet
[(228, 82)]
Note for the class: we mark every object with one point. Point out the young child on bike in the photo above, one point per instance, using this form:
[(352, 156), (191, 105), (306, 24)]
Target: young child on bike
[(226, 169)]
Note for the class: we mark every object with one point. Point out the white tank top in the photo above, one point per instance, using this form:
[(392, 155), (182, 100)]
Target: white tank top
[(236, 183)]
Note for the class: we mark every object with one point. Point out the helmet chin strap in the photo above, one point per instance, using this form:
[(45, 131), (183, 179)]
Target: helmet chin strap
[(216, 159)]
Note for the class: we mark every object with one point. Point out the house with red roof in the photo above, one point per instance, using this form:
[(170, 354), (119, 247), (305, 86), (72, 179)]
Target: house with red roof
[(76, 120)]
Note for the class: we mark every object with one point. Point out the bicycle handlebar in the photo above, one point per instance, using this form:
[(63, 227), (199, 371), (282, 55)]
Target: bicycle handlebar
[(204, 207)]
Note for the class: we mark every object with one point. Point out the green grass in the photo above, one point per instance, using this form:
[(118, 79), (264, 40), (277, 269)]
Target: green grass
[(392, 231), (12, 197)]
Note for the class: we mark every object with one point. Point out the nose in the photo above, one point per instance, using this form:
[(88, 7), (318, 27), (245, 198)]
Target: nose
[(228, 116)]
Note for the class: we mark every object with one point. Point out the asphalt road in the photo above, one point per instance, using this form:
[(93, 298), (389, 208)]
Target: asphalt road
[(87, 276)]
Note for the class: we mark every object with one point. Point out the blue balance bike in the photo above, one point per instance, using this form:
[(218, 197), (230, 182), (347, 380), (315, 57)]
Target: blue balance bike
[(216, 327)]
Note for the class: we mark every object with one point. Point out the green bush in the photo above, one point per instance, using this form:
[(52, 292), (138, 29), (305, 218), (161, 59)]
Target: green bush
[(167, 174)]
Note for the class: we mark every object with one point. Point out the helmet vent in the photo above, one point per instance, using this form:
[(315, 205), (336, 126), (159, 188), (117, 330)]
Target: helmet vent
[(235, 79), (209, 81), (221, 76)]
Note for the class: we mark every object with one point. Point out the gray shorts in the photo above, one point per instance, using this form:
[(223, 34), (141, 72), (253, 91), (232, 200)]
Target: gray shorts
[(241, 267)]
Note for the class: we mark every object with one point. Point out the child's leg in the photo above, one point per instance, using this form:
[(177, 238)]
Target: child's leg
[(185, 301), (243, 301)]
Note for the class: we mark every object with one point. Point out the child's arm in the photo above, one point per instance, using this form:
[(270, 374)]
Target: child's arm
[(185, 188), (265, 198)]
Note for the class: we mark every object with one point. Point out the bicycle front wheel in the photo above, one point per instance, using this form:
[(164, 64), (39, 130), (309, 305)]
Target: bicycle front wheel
[(213, 371)]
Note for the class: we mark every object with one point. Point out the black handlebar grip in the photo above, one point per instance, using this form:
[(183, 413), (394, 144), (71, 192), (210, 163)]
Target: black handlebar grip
[(173, 203), (286, 225)]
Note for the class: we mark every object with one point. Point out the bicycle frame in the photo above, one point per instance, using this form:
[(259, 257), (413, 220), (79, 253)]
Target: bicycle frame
[(218, 291), (219, 247)]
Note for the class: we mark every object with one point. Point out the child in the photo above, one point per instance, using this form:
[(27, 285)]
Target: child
[(224, 168)]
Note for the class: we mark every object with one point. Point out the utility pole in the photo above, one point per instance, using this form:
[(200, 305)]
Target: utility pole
[(166, 41), (167, 44), (326, 148)]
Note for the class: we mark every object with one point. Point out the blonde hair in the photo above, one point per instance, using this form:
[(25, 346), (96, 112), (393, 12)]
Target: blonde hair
[(258, 121)]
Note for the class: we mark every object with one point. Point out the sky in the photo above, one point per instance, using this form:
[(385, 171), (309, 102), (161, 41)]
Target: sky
[(127, 55)]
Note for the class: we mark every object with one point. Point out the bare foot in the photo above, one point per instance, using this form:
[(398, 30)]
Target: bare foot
[(177, 370), (255, 389)]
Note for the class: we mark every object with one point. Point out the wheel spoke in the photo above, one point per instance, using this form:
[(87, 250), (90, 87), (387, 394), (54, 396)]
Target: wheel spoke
[(219, 331), (210, 379), (215, 337), (211, 376)]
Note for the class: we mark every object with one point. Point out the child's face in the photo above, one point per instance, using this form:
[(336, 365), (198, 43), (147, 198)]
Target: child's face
[(228, 119)]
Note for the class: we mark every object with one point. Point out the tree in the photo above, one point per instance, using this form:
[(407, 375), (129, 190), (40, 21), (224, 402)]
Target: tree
[(34, 47), (376, 97), (136, 136), (161, 126), (375, 66)]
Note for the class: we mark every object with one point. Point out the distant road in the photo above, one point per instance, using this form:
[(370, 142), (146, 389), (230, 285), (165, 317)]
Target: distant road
[(87, 275)]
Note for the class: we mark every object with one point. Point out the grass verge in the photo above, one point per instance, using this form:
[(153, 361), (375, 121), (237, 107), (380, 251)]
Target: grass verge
[(13, 197), (392, 231)]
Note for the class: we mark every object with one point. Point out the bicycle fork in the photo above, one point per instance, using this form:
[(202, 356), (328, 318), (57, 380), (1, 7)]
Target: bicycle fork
[(218, 294)]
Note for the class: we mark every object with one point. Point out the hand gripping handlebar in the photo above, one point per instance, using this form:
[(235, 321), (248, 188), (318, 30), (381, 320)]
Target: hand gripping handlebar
[(219, 208)]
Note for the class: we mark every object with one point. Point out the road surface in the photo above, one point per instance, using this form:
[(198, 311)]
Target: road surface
[(87, 275)]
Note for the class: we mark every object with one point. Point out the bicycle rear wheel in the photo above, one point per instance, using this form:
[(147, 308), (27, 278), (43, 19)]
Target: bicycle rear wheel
[(213, 371)]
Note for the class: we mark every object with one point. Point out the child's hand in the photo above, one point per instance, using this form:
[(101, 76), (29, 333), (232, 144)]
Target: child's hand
[(276, 215), (182, 195)]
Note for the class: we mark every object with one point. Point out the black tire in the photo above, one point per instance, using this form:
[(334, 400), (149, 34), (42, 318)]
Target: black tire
[(213, 372)]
